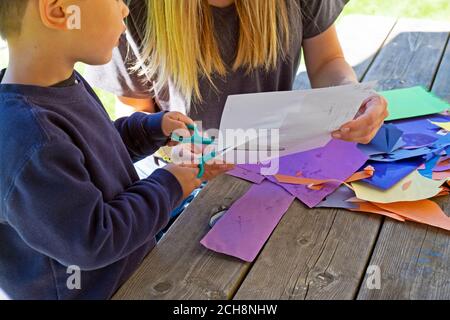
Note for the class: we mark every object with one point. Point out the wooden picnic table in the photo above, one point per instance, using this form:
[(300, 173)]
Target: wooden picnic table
[(320, 253)]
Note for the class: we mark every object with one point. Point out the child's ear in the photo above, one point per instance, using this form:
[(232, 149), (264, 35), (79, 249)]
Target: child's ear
[(53, 14)]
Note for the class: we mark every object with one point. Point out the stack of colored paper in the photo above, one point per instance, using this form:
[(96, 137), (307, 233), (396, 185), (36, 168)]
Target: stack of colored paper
[(396, 175)]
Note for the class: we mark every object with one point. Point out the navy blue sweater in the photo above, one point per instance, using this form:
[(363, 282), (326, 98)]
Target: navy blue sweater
[(70, 194)]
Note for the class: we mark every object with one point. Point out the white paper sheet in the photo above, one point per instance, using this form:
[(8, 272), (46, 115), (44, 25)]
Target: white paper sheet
[(305, 118)]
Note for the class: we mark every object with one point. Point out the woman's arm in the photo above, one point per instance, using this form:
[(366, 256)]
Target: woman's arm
[(326, 66), (140, 105), (325, 61)]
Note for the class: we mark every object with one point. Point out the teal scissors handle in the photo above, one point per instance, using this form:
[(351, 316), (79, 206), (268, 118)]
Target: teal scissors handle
[(197, 139)]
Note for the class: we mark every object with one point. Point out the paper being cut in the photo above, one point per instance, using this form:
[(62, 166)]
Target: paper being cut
[(304, 120)]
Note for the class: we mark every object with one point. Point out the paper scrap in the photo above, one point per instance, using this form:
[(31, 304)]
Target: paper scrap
[(386, 140), (304, 119), (412, 102), (387, 174), (247, 175), (247, 225), (443, 125), (424, 211), (419, 188), (338, 199), (337, 160), (371, 208)]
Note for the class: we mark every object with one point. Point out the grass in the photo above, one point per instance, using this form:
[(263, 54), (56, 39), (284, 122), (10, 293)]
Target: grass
[(421, 9)]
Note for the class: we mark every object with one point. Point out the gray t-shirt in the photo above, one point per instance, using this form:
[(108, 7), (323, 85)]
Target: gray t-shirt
[(116, 77)]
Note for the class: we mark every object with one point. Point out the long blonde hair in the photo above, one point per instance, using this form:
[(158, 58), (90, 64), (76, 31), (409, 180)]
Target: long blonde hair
[(180, 45)]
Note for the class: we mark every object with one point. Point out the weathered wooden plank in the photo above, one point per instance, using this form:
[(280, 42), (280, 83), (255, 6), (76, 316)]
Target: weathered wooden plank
[(361, 38), (441, 86), (414, 260), (180, 267), (411, 56), (313, 254), (335, 270)]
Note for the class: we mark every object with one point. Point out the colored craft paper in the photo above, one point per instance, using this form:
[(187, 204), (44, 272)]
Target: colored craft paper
[(424, 211), (317, 184), (387, 174), (420, 132), (412, 102), (371, 208), (442, 175), (386, 140), (304, 119), (443, 165), (412, 188), (427, 171), (443, 125), (402, 154), (247, 175), (247, 225), (338, 199), (338, 160)]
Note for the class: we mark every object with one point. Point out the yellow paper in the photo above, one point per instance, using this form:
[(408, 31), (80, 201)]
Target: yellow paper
[(412, 188), (443, 125)]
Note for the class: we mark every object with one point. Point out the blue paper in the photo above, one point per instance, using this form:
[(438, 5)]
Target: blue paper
[(429, 166), (420, 132), (338, 199), (387, 140), (388, 174)]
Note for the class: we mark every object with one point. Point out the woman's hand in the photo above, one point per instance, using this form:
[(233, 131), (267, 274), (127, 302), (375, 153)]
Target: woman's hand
[(367, 122)]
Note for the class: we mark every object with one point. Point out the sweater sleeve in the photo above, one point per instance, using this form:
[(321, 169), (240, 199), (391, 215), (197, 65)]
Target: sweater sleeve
[(142, 134), (58, 211)]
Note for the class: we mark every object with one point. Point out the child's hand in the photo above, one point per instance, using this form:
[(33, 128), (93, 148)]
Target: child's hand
[(175, 121), (212, 170), (367, 123), (186, 176)]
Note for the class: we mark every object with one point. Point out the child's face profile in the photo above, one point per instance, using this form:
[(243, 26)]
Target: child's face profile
[(97, 32), (86, 30)]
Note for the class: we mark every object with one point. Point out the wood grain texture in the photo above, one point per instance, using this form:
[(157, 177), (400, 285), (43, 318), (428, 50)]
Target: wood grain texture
[(180, 267), (441, 86), (313, 254)]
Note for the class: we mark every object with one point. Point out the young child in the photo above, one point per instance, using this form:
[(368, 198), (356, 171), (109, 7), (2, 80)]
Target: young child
[(70, 196)]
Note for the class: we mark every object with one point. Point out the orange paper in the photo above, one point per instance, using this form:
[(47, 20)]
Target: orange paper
[(317, 184), (371, 208), (423, 211)]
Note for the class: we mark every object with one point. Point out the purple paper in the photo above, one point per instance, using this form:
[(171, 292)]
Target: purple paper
[(338, 160), (338, 199), (247, 175), (247, 225)]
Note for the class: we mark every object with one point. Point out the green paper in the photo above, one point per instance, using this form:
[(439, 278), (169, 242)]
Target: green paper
[(412, 102)]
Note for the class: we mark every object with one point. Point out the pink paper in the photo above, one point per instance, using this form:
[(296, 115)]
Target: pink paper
[(247, 225), (338, 160)]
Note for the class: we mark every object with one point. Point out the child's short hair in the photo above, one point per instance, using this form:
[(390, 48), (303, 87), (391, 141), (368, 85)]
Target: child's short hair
[(11, 15)]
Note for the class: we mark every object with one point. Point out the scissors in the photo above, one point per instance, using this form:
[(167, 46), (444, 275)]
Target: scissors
[(197, 139)]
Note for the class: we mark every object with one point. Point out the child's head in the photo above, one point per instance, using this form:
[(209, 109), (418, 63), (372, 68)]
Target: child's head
[(77, 30)]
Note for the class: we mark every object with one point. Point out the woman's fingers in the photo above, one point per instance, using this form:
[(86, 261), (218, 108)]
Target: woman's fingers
[(365, 127)]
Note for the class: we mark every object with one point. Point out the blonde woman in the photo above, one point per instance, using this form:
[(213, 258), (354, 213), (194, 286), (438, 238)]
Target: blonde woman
[(189, 55)]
